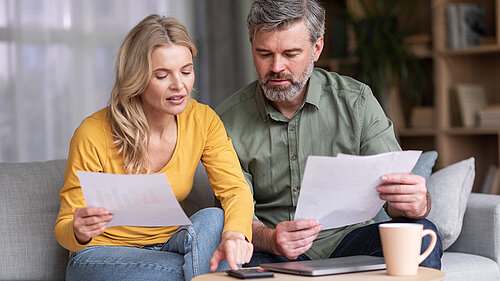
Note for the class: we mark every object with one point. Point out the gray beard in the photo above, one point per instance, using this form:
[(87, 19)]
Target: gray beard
[(284, 93)]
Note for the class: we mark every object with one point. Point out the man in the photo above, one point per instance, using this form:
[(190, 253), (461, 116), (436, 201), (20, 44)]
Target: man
[(295, 110)]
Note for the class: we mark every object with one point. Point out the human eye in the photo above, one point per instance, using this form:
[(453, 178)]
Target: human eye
[(291, 55), (187, 69), (264, 54), (159, 74)]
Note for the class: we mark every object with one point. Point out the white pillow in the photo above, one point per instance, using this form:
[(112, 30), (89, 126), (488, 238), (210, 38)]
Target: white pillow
[(450, 189)]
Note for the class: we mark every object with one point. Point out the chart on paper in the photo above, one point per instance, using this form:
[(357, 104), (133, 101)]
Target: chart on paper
[(139, 200)]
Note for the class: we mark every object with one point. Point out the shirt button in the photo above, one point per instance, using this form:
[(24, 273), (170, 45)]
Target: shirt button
[(295, 188), (291, 128), (294, 157)]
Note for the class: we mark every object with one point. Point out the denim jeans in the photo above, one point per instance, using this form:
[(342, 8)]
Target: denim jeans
[(365, 241), (185, 255)]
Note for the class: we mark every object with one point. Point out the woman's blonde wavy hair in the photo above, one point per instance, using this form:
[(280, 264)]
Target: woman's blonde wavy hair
[(129, 126)]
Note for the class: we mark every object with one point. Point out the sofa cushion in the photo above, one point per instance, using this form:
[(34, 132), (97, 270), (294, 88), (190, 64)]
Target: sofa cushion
[(425, 163), (202, 195), (29, 205), (467, 267), (450, 189)]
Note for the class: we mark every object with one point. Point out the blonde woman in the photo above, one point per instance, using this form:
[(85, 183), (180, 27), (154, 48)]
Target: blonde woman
[(153, 126)]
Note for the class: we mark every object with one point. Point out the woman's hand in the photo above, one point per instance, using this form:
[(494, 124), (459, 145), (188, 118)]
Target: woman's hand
[(233, 247), (90, 222)]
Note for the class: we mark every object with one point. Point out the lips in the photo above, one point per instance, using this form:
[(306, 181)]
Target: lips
[(176, 99), (278, 81)]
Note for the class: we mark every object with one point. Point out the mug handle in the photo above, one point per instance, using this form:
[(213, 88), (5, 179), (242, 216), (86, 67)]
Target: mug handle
[(429, 249)]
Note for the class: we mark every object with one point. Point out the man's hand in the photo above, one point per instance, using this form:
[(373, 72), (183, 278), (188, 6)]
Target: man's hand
[(406, 195), (89, 223), (234, 248), (293, 238), (289, 238)]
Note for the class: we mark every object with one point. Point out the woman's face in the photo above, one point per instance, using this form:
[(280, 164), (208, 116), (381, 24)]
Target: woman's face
[(170, 85)]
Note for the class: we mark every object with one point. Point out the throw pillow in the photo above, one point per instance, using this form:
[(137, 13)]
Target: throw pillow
[(423, 167), (450, 189), (425, 164)]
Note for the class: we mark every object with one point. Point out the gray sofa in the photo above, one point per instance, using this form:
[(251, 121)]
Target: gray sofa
[(29, 204)]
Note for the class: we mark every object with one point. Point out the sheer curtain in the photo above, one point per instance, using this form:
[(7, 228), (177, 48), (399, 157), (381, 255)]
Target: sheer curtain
[(224, 63), (57, 66)]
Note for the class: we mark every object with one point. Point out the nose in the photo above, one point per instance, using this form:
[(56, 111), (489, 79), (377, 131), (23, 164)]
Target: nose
[(175, 82), (278, 64)]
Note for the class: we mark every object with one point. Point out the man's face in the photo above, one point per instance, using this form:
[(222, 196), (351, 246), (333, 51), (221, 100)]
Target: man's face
[(284, 61)]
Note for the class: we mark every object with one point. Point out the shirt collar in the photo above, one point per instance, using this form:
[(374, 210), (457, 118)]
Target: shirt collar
[(261, 102), (313, 95), (314, 89)]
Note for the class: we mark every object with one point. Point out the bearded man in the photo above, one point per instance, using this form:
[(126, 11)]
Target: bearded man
[(295, 110)]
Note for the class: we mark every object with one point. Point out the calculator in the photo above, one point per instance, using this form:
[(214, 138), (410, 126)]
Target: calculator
[(249, 273)]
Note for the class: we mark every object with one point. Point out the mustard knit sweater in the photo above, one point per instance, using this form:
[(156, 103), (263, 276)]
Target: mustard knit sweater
[(201, 135)]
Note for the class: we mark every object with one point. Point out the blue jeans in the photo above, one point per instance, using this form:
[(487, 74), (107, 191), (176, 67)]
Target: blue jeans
[(185, 255), (365, 241)]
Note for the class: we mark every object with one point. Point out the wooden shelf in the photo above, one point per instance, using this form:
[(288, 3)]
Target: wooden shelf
[(484, 49), (417, 132), (478, 65), (446, 68), (472, 131)]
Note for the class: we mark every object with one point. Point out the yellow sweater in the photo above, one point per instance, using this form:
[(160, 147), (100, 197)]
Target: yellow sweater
[(201, 135)]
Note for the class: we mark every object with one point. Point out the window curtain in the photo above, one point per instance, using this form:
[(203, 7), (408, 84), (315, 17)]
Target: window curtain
[(57, 62), (225, 63)]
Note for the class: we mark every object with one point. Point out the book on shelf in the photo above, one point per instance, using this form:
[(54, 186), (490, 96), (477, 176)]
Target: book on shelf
[(419, 44), (489, 116), (495, 182), (465, 25), (422, 117), (489, 179), (452, 26), (470, 98)]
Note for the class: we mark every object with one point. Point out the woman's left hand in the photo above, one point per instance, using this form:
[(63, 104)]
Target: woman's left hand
[(233, 247)]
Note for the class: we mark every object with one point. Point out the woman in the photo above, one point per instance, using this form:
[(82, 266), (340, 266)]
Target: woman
[(153, 126)]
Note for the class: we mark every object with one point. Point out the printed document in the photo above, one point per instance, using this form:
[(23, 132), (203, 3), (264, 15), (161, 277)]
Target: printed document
[(140, 200), (340, 191)]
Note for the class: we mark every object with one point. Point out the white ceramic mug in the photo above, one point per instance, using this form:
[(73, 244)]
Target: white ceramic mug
[(401, 243)]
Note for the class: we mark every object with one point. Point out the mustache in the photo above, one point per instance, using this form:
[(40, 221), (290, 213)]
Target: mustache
[(278, 75)]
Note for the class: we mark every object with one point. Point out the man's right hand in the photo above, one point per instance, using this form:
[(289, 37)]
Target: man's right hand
[(90, 222), (293, 238)]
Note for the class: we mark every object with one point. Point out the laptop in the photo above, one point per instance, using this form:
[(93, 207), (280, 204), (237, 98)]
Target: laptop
[(328, 266)]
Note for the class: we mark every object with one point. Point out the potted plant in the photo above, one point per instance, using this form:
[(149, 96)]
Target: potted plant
[(383, 57)]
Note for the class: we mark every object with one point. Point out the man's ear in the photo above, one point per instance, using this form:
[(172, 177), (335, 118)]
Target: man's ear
[(318, 48)]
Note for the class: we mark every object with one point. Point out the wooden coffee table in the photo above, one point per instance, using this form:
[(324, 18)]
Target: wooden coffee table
[(424, 274)]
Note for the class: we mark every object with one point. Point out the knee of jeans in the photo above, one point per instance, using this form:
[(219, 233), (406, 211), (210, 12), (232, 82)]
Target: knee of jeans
[(427, 224), (208, 219)]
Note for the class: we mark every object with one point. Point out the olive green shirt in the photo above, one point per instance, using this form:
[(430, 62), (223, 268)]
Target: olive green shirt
[(338, 115)]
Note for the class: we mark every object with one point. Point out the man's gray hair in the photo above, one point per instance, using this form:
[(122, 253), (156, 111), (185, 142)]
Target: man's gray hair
[(271, 15)]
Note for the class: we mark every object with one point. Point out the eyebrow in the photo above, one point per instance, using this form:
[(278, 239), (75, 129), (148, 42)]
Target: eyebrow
[(286, 51), (166, 70)]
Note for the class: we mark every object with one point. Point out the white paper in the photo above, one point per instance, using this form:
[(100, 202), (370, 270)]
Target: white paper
[(139, 200), (340, 191)]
